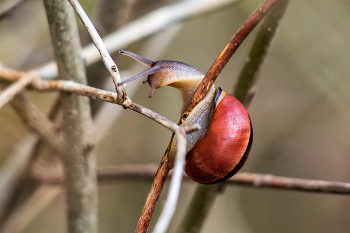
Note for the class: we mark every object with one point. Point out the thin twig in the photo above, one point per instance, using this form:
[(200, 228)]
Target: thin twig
[(226, 54), (106, 58), (198, 96), (143, 27), (175, 184), (14, 89), (154, 193), (144, 172), (287, 183), (9, 176), (109, 15), (84, 90), (108, 113)]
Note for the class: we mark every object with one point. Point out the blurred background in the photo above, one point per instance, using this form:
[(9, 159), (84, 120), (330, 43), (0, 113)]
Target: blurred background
[(300, 114)]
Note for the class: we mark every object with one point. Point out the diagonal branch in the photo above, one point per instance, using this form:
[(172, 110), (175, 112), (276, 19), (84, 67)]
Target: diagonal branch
[(15, 88), (106, 58), (95, 93), (204, 196), (198, 96), (226, 54), (175, 184), (37, 122), (143, 27), (10, 176)]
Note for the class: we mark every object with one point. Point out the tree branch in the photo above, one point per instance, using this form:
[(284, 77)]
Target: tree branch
[(204, 196), (50, 70), (14, 89), (106, 58), (175, 184), (38, 122), (226, 54), (145, 172), (143, 27), (10, 176), (108, 113), (253, 61), (78, 157), (84, 90), (198, 96), (109, 15)]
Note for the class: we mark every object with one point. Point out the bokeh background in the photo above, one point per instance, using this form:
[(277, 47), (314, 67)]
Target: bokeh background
[(300, 114)]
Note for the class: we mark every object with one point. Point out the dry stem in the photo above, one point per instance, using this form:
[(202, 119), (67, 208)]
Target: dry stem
[(79, 156), (255, 180), (204, 196), (14, 89), (198, 96)]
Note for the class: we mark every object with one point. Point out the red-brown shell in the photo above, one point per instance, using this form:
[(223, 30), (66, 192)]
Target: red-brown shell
[(225, 147)]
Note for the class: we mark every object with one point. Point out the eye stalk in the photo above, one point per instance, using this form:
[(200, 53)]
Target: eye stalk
[(167, 73)]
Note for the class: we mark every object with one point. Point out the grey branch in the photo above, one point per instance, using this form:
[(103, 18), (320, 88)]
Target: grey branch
[(14, 89), (255, 180), (106, 58), (143, 27), (36, 121), (175, 184), (95, 93), (79, 157)]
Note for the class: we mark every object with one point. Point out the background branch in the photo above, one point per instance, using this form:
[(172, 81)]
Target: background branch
[(81, 89), (226, 54), (78, 157), (38, 122), (7, 7), (142, 172), (15, 88), (111, 14), (204, 196), (199, 95), (15, 182), (143, 27)]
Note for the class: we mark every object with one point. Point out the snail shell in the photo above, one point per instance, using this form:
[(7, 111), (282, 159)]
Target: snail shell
[(220, 148)]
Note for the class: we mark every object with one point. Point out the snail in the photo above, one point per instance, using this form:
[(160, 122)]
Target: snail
[(221, 147)]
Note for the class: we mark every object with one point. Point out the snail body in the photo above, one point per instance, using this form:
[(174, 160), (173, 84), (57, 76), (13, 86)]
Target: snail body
[(220, 148)]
